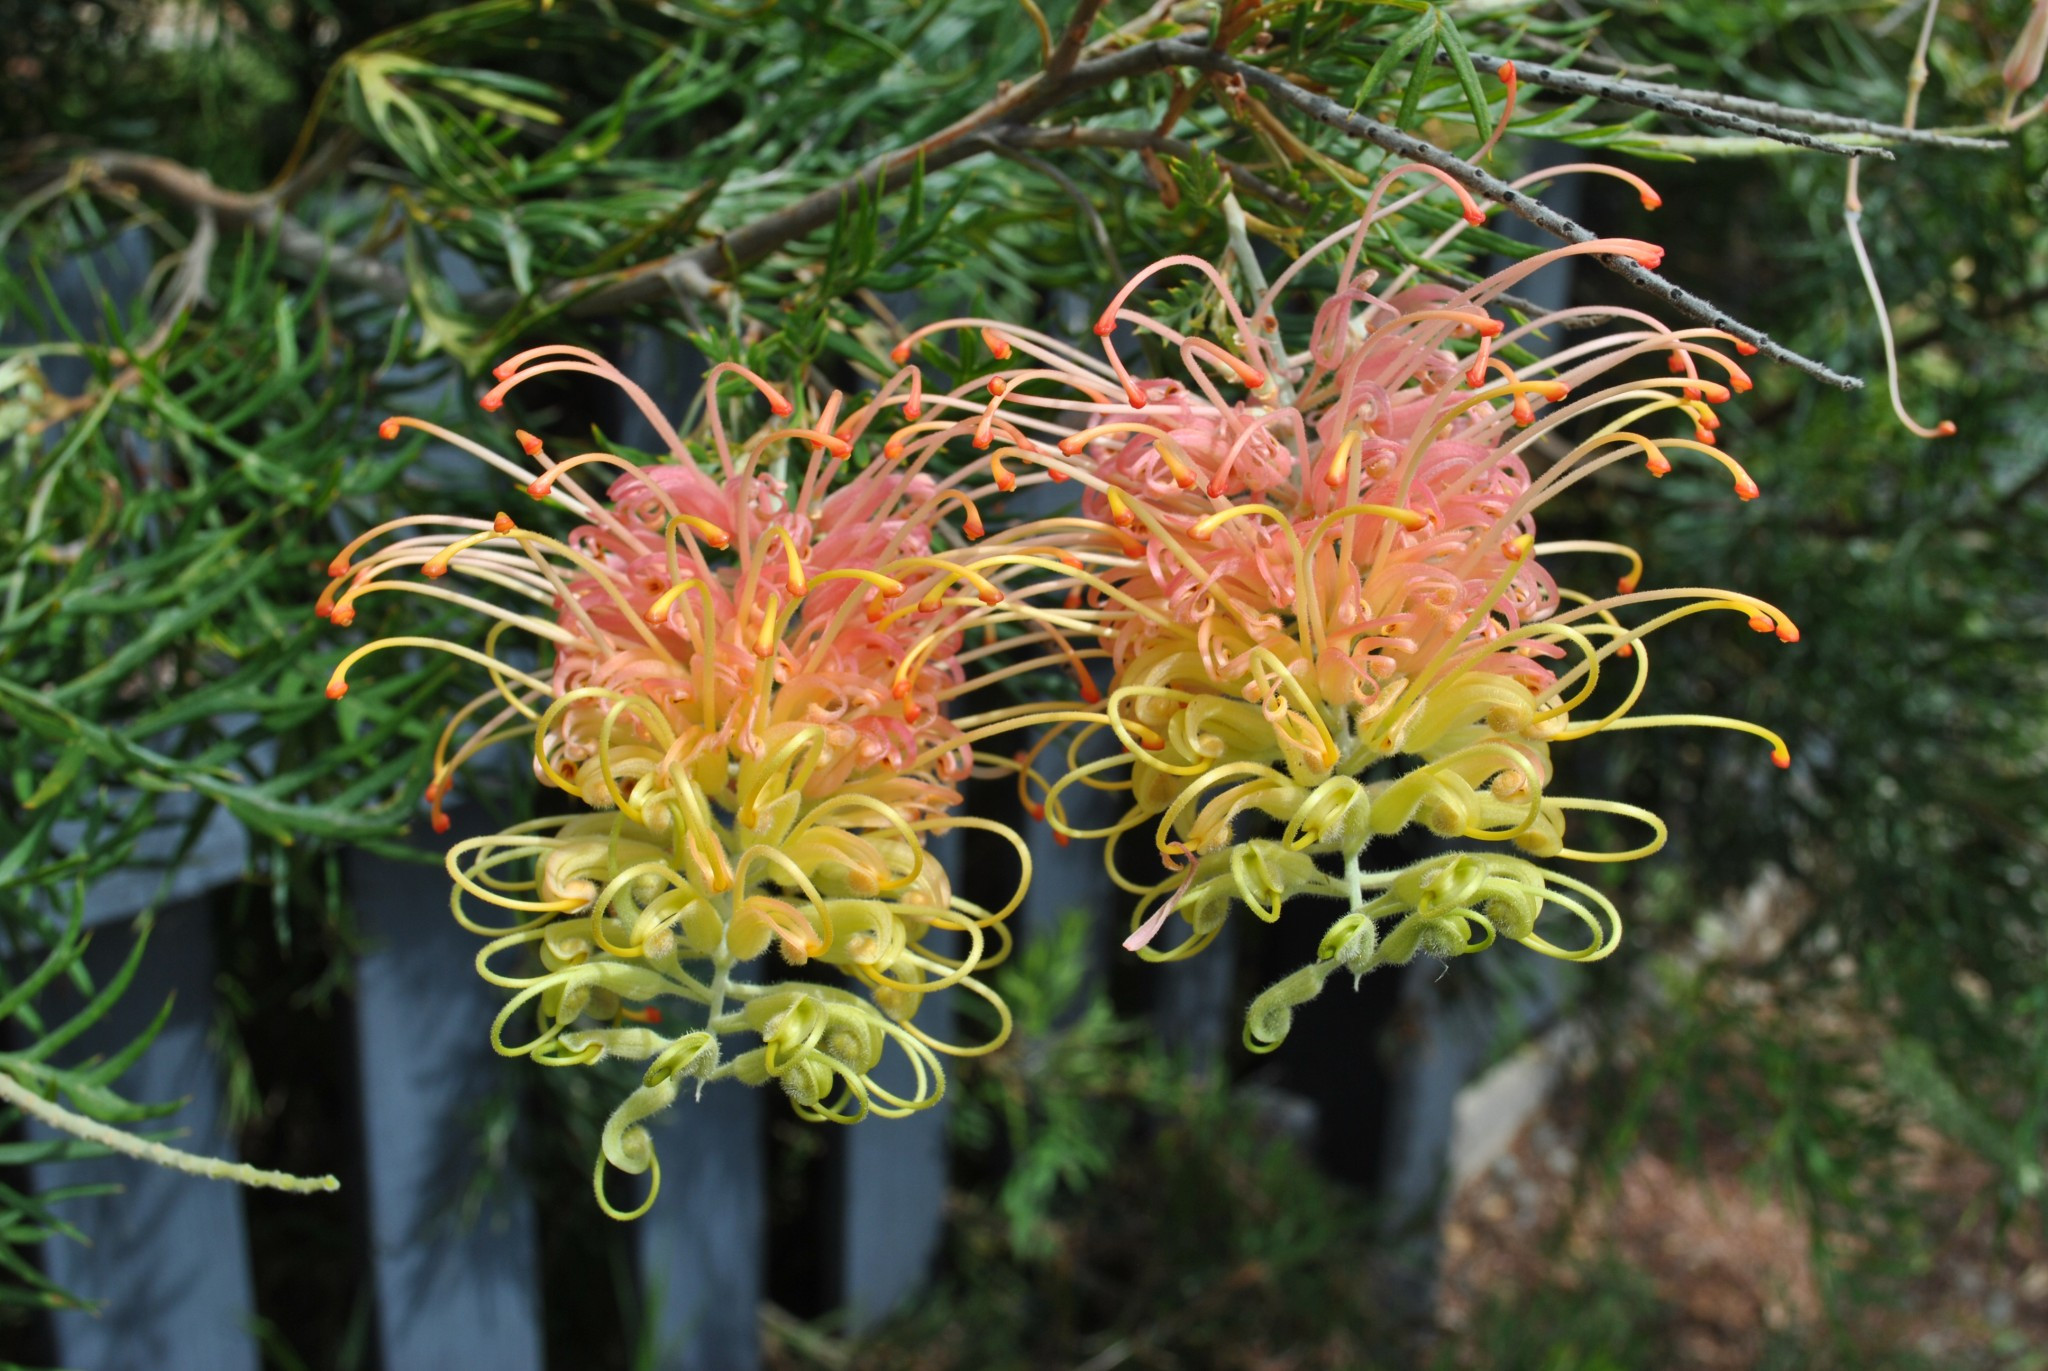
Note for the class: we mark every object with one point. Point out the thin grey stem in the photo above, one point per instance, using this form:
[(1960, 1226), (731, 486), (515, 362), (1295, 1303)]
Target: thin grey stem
[(1490, 187)]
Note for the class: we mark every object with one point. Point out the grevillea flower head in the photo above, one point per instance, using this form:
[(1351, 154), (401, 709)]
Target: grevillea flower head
[(1327, 604), (752, 686)]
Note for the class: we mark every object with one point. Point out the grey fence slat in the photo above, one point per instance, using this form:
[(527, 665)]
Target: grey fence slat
[(169, 1258), (447, 1296), (700, 1247)]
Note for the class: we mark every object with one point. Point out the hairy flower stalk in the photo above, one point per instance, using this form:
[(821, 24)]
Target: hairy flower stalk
[(751, 681), (1331, 608)]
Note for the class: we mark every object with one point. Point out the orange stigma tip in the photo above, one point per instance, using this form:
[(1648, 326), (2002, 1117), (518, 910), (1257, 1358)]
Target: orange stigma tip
[(442, 823), (912, 712), (1945, 429), (998, 346), (1675, 363), (1507, 73), (973, 527), (892, 450), (1105, 326), (323, 610), (1627, 585), (1746, 489), (337, 568), (503, 523), (341, 616), (1745, 349), (1781, 759), (434, 569), (503, 370), (1650, 259), (1741, 382), (900, 354), (991, 596), (1716, 394), (1154, 744), (1071, 445), (1763, 623), (1475, 377), (1703, 434), (492, 402), (541, 489), (336, 689), (1089, 694), (1651, 199), (1036, 811), (912, 410), (1060, 838), (996, 386), (388, 430), (1625, 650), (1659, 466), (1788, 633), (527, 442)]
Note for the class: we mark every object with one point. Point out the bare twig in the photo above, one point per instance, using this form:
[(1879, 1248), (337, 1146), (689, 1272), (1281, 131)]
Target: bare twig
[(239, 209), (1821, 119), (1073, 39), (1490, 187), (1664, 102)]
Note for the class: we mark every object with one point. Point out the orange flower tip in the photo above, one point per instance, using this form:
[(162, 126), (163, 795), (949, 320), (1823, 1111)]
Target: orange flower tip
[(1072, 445), (1691, 392), (1058, 477), (1550, 390), (1788, 633), (492, 402), (1520, 411), (1089, 694), (899, 689), (1105, 326), (1625, 650), (991, 596), (973, 527), (388, 430), (540, 489), (892, 450), (1506, 72), (503, 370), (1060, 838), (341, 616), (981, 439), (912, 410), (1036, 811), (1781, 759), (996, 386), (337, 568), (1763, 623), (432, 793), (1651, 199), (1135, 397), (1185, 480), (503, 523), (441, 822), (1216, 488), (656, 614), (912, 712), (650, 1015), (838, 447), (1476, 377), (1746, 489), (434, 568), (1522, 547), (1675, 363), (1716, 394), (1703, 434), (1650, 258), (1005, 482), (1627, 585), (527, 442), (1154, 744), (900, 354), (1744, 348), (1945, 429), (1741, 382), (1475, 215), (1492, 328), (1658, 465), (336, 689), (323, 610)]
